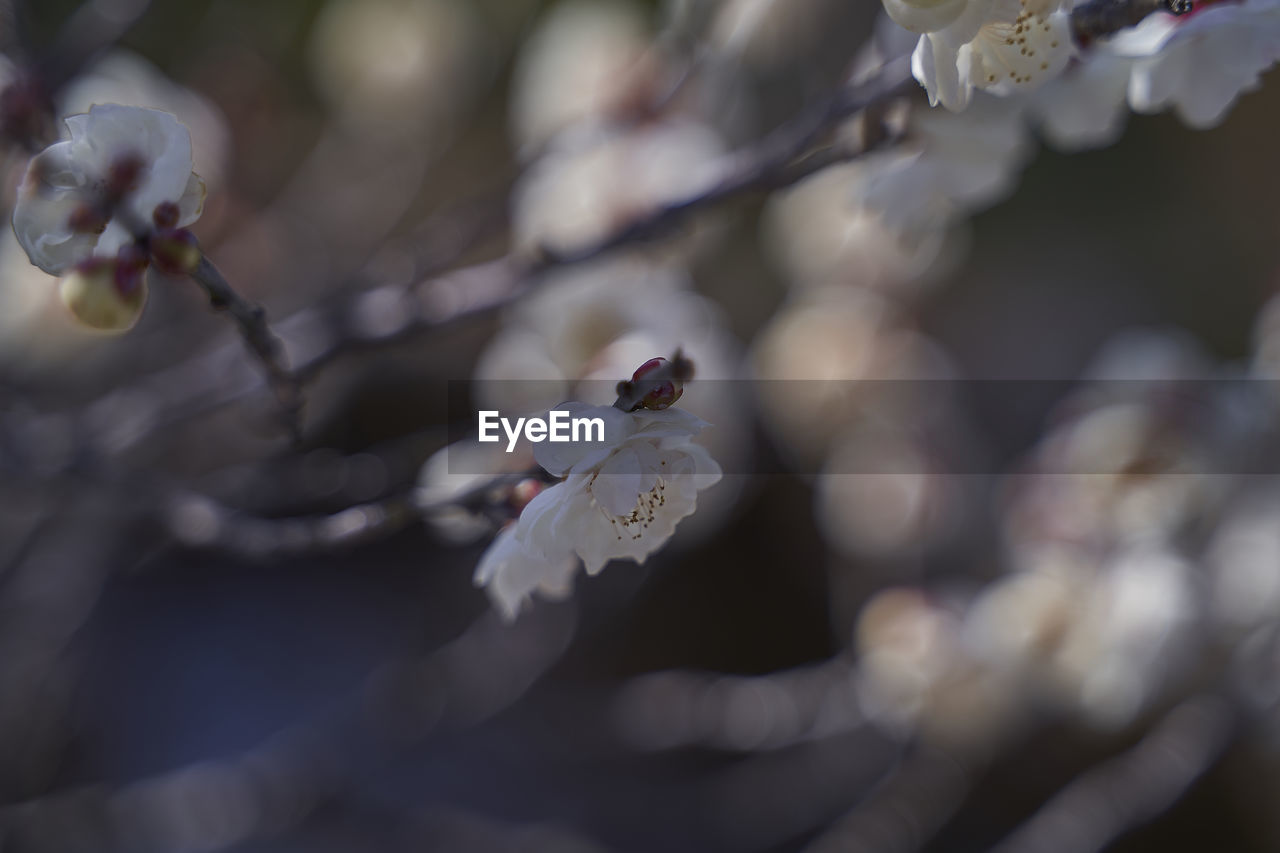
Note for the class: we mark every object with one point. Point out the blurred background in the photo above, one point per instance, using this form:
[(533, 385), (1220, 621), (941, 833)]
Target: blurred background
[(211, 639)]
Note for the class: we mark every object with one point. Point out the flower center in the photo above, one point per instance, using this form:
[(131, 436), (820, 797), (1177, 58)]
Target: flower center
[(646, 509)]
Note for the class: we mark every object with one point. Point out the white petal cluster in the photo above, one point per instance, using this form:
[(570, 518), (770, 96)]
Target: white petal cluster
[(67, 174), (620, 499), (1003, 46), (1197, 65), (952, 164)]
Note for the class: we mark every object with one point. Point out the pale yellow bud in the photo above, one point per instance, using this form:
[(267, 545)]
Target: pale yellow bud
[(95, 298)]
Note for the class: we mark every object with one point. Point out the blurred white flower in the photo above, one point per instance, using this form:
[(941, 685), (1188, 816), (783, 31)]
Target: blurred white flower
[(585, 61), (1122, 644), (820, 235), (1244, 562), (880, 494), (621, 498), (397, 67), (822, 361), (950, 165), (592, 182), (142, 155), (1002, 46)]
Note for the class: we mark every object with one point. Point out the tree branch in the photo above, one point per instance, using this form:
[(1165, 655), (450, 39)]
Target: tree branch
[(257, 334)]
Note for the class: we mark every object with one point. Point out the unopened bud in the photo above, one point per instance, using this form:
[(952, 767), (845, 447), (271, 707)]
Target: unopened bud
[(658, 379), (94, 296), (174, 250)]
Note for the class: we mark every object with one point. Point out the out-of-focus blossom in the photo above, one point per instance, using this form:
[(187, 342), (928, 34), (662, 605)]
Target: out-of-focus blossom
[(1018, 622), (951, 165), (593, 182), (906, 642), (395, 67), (1244, 561), (621, 499), (917, 672), (1123, 643), (1125, 463), (141, 155), (1114, 475), (822, 363), (591, 322), (1002, 46), (821, 235), (880, 494), (585, 61)]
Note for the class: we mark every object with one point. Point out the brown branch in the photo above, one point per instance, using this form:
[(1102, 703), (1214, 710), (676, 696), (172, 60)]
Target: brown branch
[(259, 338)]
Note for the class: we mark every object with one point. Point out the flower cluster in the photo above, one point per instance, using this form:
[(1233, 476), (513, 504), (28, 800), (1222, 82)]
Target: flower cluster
[(102, 206), (620, 499), (1197, 63)]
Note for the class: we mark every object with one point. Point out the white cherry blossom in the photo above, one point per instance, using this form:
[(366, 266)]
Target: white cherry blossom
[(1196, 64), (67, 174), (1003, 46), (1200, 63), (514, 568), (621, 499)]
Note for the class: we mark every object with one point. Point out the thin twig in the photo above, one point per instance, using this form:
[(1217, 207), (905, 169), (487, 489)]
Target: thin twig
[(259, 337)]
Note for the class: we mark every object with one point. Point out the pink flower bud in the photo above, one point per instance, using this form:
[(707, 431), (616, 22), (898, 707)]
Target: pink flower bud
[(660, 382), (648, 368)]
